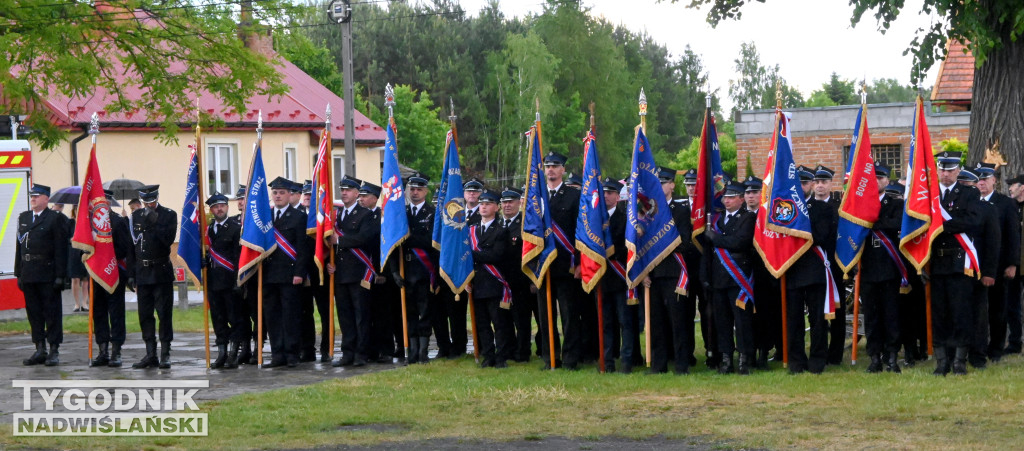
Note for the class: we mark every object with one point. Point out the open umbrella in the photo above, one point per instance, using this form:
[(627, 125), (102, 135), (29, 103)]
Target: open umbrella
[(124, 188), (70, 196)]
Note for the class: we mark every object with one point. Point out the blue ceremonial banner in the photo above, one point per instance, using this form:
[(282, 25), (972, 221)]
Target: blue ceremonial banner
[(538, 240), (859, 208), (451, 236), (189, 242), (257, 220), (392, 198), (651, 234), (593, 239)]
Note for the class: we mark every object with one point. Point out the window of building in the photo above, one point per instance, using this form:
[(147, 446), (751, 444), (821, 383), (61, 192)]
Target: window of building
[(338, 172), (221, 167), (888, 154), (289, 163)]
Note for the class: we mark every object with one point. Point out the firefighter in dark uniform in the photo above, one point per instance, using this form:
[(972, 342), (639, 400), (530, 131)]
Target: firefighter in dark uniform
[(952, 285), (564, 204), (1013, 300), (471, 191), (421, 274), (40, 264), (284, 271), (618, 311), (767, 294), (311, 290), (986, 241), (1008, 257), (492, 296), (880, 280), (731, 239), (587, 306), (108, 308), (450, 316), (155, 229), (837, 327), (805, 287), (383, 295), (693, 257), (227, 307), (524, 305), (246, 353), (353, 274)]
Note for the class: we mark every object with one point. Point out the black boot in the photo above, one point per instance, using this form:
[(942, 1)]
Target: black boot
[(102, 358), (165, 355), (876, 364), (424, 343), (743, 366), (115, 356), (762, 360), (894, 365), (149, 361), (222, 356), (959, 361), (941, 362), (908, 358), (725, 366), (232, 360), (414, 350), (53, 358), (244, 353), (38, 357)]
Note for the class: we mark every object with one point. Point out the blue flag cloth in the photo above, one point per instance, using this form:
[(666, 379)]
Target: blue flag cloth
[(538, 240), (593, 239), (451, 236), (859, 208), (392, 198), (257, 236), (651, 234), (189, 243)]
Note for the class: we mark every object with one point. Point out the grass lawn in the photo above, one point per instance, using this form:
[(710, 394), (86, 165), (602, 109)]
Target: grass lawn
[(185, 320), (843, 408)]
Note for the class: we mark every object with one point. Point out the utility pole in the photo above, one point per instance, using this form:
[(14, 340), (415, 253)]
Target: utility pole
[(340, 11)]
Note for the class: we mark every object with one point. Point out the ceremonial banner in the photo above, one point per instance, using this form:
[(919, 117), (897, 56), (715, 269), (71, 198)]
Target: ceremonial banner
[(651, 234), (189, 242), (708, 195), (538, 239), (922, 211), (451, 236), (320, 218), (257, 236), (783, 230), (859, 209), (93, 232), (392, 198), (593, 239)]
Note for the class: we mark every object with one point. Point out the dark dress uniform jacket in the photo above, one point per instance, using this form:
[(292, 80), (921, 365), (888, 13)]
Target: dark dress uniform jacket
[(123, 246), (962, 204), (876, 264), (358, 232), (809, 269), (226, 243), (737, 237), (1009, 227), (279, 267), (493, 245), (617, 229), (154, 236), (987, 240), (669, 268), (512, 266), (565, 207), (421, 236), (41, 254)]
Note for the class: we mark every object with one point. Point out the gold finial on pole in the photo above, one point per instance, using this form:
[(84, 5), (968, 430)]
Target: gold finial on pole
[(536, 101), (643, 109), (452, 117), (592, 125), (94, 126), (327, 122), (259, 125), (389, 99), (864, 91), (778, 94)]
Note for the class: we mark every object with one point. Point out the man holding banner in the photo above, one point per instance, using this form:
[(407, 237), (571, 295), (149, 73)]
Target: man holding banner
[(354, 274), (564, 206), (154, 225), (227, 307), (283, 272)]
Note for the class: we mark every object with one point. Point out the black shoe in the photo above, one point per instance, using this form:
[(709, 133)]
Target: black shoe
[(743, 366), (547, 364), (678, 371), (893, 364), (359, 362), (1012, 349), (876, 364), (244, 353), (53, 358), (424, 343), (222, 356), (714, 360), (960, 361), (941, 362), (307, 356), (725, 366), (115, 356), (232, 361), (102, 358), (626, 368), (292, 361), (275, 364), (165, 355), (149, 361), (486, 363), (501, 364), (762, 360), (38, 357), (345, 360)]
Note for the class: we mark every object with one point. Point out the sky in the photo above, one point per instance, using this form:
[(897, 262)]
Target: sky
[(808, 39)]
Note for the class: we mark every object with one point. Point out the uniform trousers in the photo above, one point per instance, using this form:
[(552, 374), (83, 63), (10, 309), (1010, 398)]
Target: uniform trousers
[(282, 310), (108, 314), (952, 315), (494, 330), (157, 297), (728, 318), (881, 307), (45, 312), (618, 316), (353, 305), (811, 297)]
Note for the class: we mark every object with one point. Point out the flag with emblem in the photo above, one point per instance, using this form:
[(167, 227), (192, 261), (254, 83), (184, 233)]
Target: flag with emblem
[(593, 239), (782, 232), (651, 234), (189, 240), (922, 210), (257, 236), (708, 195), (538, 239), (392, 198), (859, 208), (451, 235), (93, 232), (320, 218)]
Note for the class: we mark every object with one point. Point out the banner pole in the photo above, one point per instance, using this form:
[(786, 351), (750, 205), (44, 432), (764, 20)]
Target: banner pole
[(856, 315), (330, 307), (92, 287), (600, 327), (647, 325), (405, 315), (928, 309), (551, 324), (472, 325), (785, 330), (259, 316)]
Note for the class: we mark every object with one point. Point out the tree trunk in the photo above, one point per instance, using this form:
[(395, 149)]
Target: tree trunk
[(997, 115)]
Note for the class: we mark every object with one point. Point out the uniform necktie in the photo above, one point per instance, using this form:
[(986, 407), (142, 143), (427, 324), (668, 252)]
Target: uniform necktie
[(34, 217), (945, 193), (508, 223), (278, 215), (344, 214), (551, 193), (216, 228), (727, 218), (415, 211)]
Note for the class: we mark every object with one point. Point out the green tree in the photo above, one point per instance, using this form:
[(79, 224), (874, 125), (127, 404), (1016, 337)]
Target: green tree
[(173, 49), (421, 134), (889, 90), (315, 60), (756, 86), (689, 157), (991, 29)]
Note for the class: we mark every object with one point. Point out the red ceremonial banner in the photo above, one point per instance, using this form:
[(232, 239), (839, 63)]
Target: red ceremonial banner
[(93, 233)]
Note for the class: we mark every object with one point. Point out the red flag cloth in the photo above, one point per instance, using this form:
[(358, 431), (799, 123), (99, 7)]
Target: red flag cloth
[(93, 233), (708, 195), (321, 206), (922, 213)]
